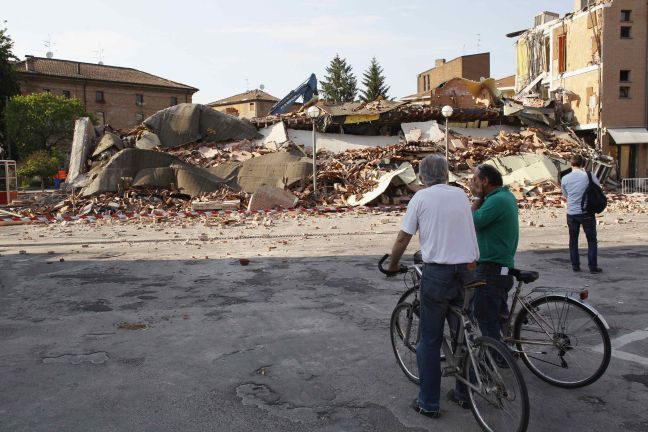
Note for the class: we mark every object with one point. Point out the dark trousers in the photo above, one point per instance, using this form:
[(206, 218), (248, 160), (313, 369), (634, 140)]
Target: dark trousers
[(441, 287), (491, 301), (588, 221)]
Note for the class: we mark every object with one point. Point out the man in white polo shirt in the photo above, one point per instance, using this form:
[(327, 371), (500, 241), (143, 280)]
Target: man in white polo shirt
[(442, 216)]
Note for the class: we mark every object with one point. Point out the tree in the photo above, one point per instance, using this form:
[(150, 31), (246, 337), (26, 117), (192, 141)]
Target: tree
[(340, 84), (374, 82), (40, 121), (8, 82), (41, 163)]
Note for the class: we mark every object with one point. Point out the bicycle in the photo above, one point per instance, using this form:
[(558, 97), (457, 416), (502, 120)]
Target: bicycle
[(497, 392), (574, 333)]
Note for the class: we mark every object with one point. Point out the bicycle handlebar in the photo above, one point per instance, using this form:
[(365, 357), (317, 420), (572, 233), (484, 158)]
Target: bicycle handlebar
[(402, 269)]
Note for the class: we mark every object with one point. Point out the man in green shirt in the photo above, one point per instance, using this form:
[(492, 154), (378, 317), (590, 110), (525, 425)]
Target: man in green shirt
[(495, 214)]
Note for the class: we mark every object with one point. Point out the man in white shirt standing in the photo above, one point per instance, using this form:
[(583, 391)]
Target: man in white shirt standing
[(573, 187), (442, 216)]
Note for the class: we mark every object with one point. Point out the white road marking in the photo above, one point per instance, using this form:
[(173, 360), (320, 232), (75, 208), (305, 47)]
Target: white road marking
[(625, 340)]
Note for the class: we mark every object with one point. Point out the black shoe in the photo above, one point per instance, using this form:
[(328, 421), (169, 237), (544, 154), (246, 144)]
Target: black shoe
[(596, 270), (432, 414), (576, 268), (453, 398)]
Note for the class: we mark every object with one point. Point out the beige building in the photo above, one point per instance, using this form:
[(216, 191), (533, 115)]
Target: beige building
[(118, 96), (593, 63), (253, 103)]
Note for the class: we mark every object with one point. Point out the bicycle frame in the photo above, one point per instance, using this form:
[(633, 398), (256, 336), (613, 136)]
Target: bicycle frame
[(462, 343)]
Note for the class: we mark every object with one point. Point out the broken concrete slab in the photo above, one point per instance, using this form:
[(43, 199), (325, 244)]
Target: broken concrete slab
[(338, 143), (108, 141), (81, 143), (269, 197), (186, 123), (383, 183), (422, 131), (148, 141)]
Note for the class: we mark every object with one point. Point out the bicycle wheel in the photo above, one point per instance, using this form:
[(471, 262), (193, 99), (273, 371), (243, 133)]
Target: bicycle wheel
[(502, 401), (405, 333), (407, 294), (562, 342)]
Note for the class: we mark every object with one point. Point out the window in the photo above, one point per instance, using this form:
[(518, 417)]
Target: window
[(174, 100), (139, 117), (624, 92), (101, 117), (562, 53), (625, 32), (66, 94), (626, 15), (624, 76), (139, 99), (99, 96)]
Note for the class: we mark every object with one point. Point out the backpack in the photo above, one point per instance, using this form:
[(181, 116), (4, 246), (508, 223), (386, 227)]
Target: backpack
[(594, 200)]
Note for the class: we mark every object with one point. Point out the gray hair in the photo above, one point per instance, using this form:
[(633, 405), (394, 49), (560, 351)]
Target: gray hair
[(433, 170)]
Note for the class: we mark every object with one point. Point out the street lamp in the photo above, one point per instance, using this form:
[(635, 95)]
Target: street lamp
[(447, 113), (314, 112)]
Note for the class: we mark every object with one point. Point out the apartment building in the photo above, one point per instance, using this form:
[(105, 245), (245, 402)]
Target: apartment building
[(592, 62), (118, 96)]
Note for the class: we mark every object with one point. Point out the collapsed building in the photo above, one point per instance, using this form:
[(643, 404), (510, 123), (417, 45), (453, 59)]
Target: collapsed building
[(192, 157), (586, 71)]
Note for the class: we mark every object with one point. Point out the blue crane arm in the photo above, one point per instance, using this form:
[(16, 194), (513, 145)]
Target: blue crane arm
[(306, 90)]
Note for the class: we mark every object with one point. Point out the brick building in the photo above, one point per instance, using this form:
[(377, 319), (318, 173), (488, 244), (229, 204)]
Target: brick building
[(118, 96), (253, 103), (473, 67), (593, 63)]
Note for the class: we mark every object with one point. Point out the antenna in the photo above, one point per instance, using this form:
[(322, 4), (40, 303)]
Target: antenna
[(247, 84), (262, 87), (478, 41), (100, 55), (49, 45)]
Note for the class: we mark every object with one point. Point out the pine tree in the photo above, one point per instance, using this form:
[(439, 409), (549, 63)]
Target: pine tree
[(374, 82), (340, 84)]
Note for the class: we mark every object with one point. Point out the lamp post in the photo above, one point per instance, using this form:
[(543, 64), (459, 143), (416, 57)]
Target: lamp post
[(314, 112), (447, 113)]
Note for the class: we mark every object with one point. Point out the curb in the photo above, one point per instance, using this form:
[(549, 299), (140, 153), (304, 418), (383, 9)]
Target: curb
[(190, 214)]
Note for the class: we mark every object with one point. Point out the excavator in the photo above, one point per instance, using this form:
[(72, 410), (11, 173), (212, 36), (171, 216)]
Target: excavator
[(307, 90)]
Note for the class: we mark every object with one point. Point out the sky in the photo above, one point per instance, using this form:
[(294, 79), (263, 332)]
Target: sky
[(228, 47)]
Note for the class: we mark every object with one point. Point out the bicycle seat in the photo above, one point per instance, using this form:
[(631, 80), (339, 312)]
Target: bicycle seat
[(526, 276), (477, 283), (418, 258)]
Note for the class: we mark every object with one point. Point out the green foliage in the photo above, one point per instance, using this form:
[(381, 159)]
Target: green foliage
[(8, 82), (40, 121), (374, 82), (340, 84), (41, 163)]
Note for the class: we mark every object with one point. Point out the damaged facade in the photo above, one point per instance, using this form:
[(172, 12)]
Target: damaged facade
[(253, 103), (591, 64)]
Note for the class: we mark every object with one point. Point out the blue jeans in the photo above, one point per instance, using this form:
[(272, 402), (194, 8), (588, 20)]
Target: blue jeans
[(588, 221), (491, 301), (441, 286)]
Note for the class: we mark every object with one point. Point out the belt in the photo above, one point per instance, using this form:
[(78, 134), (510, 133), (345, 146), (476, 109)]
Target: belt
[(503, 270)]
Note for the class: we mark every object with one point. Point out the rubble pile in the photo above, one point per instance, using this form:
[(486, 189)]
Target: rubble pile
[(469, 152), (190, 157), (139, 201)]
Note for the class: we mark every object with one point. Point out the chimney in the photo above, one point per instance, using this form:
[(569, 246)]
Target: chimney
[(29, 63), (439, 62), (79, 68)]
